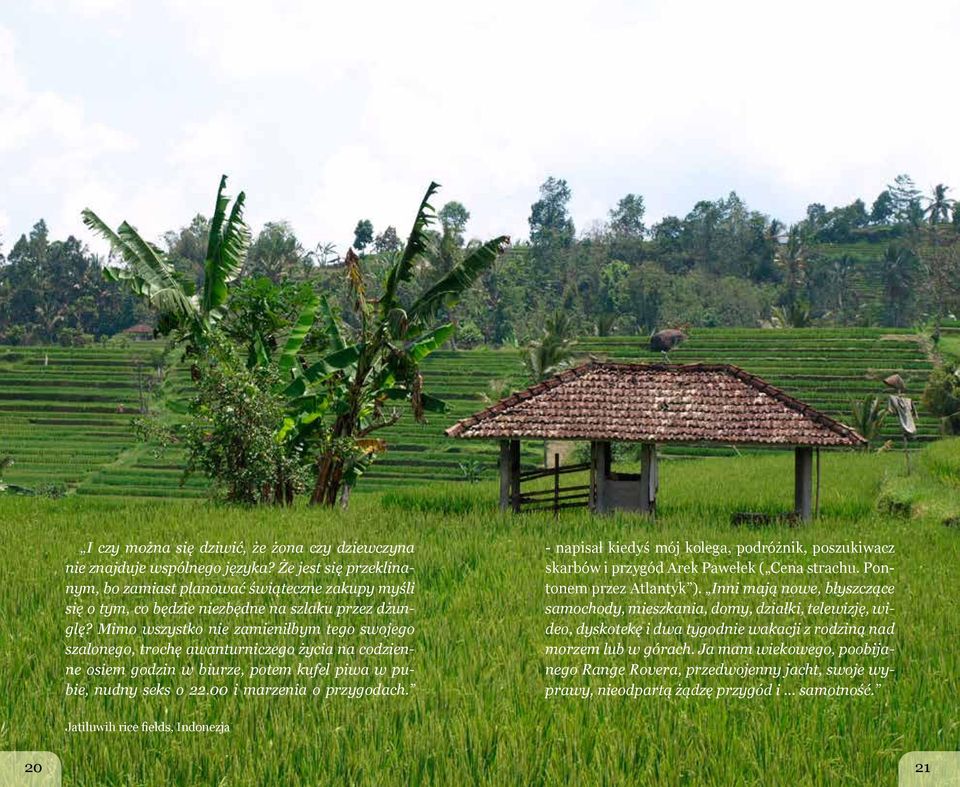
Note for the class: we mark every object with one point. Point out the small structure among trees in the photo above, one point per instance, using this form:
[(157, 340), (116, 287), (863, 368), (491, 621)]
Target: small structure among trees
[(603, 403), (139, 332)]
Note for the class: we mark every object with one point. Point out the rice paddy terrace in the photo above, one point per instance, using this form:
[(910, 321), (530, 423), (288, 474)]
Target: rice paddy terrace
[(66, 417), (825, 368), (66, 414)]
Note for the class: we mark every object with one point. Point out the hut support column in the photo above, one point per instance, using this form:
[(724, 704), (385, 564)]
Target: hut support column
[(599, 472), (510, 475), (648, 478), (803, 483)]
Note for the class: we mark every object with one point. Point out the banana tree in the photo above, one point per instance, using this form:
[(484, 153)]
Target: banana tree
[(374, 358), (868, 417), (187, 315)]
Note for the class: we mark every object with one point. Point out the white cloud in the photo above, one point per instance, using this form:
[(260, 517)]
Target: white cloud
[(494, 97), (49, 146), (87, 8), (5, 240), (326, 113), (216, 144)]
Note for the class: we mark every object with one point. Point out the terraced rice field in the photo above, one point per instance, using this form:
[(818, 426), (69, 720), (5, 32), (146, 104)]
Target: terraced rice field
[(69, 420), (66, 418)]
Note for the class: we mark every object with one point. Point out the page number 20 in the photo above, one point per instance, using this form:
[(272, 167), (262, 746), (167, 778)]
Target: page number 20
[(32, 767)]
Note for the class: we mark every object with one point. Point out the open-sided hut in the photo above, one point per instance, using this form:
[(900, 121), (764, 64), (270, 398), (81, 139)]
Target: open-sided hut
[(604, 402)]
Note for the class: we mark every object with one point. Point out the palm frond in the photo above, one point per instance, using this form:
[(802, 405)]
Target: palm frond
[(417, 244), (298, 333), (148, 273), (448, 290), (226, 249), (431, 341)]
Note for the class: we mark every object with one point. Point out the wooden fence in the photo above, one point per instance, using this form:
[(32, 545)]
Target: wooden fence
[(558, 497)]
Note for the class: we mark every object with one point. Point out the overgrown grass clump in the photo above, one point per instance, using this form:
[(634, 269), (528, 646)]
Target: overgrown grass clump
[(931, 490)]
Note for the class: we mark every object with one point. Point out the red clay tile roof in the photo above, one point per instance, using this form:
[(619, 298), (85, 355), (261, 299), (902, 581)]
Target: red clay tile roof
[(657, 403), (139, 328)]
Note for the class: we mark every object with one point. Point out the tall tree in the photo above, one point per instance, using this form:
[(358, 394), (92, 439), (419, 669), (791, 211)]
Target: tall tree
[(626, 220), (454, 217), (53, 291), (387, 241), (905, 197), (792, 260), (882, 209), (362, 234), (897, 270), (186, 248), (841, 275), (277, 254), (939, 205), (940, 263), (550, 222)]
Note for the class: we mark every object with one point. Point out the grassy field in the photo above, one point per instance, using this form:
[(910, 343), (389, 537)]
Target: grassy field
[(931, 488), (478, 716), (65, 414)]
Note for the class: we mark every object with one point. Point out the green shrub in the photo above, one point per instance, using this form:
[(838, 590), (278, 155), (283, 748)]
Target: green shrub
[(942, 396), (868, 416)]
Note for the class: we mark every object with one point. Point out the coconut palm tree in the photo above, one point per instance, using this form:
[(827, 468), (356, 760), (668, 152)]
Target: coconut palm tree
[(841, 272), (791, 257), (792, 315), (553, 351), (938, 205), (897, 272)]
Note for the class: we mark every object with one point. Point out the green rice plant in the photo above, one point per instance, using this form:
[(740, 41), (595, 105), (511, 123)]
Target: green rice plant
[(478, 715)]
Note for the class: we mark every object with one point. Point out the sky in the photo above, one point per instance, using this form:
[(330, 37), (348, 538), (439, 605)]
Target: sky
[(326, 113)]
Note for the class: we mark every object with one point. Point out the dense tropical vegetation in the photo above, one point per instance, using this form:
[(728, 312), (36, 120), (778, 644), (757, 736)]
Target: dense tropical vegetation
[(894, 262), (265, 419)]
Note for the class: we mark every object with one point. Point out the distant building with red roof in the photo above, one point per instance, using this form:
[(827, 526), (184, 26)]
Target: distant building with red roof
[(141, 331)]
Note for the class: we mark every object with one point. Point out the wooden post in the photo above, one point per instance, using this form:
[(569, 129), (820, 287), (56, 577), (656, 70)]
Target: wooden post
[(592, 505), (510, 475), (504, 475), (515, 475), (648, 478), (556, 485), (816, 502), (803, 483), (600, 470)]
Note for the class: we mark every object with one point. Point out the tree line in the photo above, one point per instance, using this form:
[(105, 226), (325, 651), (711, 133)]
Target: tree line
[(893, 260)]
